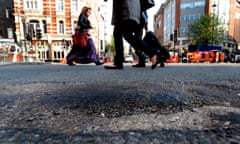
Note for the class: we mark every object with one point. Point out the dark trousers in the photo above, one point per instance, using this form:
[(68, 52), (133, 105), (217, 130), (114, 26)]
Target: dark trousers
[(141, 55), (129, 31)]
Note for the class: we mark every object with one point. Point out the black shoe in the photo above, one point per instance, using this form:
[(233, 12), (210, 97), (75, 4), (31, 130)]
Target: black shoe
[(71, 64), (154, 65), (139, 65), (99, 63), (161, 60), (162, 64), (113, 67)]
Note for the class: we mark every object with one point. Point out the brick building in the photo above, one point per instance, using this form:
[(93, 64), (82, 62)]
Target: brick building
[(45, 27)]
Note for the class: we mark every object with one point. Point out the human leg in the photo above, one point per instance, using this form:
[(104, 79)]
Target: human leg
[(141, 55), (118, 41), (141, 59), (93, 53), (72, 55), (129, 33)]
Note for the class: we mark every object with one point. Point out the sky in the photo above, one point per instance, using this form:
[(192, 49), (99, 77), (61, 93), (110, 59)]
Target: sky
[(152, 12)]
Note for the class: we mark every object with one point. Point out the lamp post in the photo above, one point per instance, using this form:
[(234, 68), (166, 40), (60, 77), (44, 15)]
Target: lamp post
[(213, 16)]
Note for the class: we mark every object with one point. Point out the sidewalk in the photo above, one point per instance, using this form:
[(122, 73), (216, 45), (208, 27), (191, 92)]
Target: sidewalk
[(3, 63)]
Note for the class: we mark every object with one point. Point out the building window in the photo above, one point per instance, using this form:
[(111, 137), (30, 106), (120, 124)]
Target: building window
[(32, 27), (186, 17), (31, 4), (61, 27), (191, 17), (181, 18), (60, 5), (199, 4), (10, 32), (74, 5), (198, 16), (44, 26), (31, 30), (191, 5)]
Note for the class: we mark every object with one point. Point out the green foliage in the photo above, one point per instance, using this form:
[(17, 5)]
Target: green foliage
[(111, 45), (207, 30)]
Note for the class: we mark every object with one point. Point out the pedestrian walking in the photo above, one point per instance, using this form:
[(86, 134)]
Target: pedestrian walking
[(126, 16), (88, 54), (143, 26)]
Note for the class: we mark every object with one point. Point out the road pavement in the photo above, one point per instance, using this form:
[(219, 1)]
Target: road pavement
[(180, 103)]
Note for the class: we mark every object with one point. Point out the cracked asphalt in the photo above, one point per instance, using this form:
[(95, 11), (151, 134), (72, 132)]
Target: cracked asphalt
[(180, 103)]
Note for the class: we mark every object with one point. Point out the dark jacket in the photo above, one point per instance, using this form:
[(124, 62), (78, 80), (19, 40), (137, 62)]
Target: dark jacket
[(126, 10), (144, 19), (83, 23)]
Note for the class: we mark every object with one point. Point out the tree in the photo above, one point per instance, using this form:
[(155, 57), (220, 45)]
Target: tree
[(111, 45), (110, 48), (207, 30)]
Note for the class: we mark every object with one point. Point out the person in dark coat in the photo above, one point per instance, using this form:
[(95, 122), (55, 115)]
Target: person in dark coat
[(143, 26), (126, 21), (88, 54)]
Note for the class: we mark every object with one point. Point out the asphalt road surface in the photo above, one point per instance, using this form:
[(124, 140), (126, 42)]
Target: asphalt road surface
[(180, 103)]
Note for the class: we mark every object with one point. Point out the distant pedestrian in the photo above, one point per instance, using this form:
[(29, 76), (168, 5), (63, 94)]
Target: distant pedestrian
[(217, 57), (126, 20), (84, 55)]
